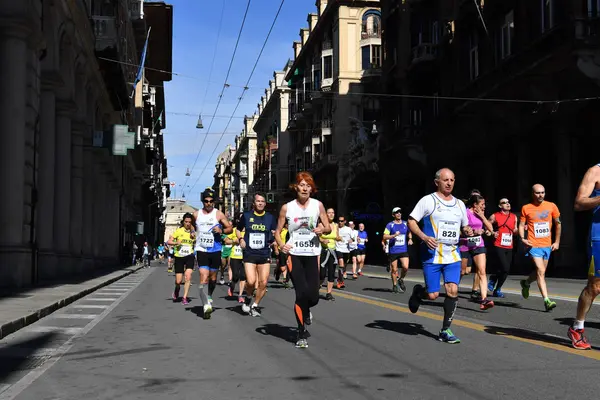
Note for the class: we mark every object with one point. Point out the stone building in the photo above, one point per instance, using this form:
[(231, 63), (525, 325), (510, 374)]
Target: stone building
[(334, 109), (67, 73), (509, 50), (174, 212)]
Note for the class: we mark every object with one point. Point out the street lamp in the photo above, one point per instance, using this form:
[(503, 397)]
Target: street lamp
[(199, 125)]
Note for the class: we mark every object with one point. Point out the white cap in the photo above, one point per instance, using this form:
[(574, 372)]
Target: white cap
[(396, 209)]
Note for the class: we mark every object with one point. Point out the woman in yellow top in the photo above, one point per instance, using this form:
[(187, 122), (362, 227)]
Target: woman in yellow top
[(328, 258), (238, 273), (183, 240)]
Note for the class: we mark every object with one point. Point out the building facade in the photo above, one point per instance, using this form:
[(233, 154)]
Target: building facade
[(334, 111), (242, 162), (223, 181), (174, 212), (536, 51), (68, 198), (271, 169)]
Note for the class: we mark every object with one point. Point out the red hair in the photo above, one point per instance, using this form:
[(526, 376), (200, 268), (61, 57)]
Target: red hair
[(306, 177)]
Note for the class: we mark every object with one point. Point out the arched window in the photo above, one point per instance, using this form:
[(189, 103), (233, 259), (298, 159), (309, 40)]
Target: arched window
[(371, 24)]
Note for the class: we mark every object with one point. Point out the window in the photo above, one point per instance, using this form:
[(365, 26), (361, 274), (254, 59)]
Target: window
[(435, 33), (547, 14), (507, 35), (371, 25), (593, 8), (366, 57), (473, 56), (327, 67), (371, 56), (317, 79), (436, 104), (415, 117)]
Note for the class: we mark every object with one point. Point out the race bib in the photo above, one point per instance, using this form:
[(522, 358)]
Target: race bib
[(185, 250), (304, 242), (541, 229), (237, 251), (257, 240), (474, 241), (400, 240), (448, 232), (506, 239), (206, 240)]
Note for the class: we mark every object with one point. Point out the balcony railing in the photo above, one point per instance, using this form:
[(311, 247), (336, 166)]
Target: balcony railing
[(327, 45), (424, 52), (105, 30), (327, 123), (370, 34), (243, 173)]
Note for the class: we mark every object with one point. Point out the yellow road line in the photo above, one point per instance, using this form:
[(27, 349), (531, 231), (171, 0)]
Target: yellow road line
[(593, 354)]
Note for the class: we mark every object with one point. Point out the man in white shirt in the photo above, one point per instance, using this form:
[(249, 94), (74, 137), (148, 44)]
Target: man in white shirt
[(444, 218), (353, 247), (341, 250)]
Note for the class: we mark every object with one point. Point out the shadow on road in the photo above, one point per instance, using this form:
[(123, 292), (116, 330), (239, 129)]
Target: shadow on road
[(236, 309), (405, 328), (199, 310), (21, 356), (282, 332), (381, 290), (120, 353), (569, 321), (525, 334)]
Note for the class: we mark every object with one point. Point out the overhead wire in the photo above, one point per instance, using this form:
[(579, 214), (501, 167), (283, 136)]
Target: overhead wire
[(214, 56), (225, 86), (242, 94)]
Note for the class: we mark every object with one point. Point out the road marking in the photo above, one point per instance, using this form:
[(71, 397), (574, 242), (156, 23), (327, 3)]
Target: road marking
[(563, 297), (90, 306), (3, 387), (593, 354), (74, 316), (101, 298), (107, 294), (18, 387), (59, 329)]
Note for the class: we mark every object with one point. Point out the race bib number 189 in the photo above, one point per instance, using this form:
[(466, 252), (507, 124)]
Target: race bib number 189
[(257, 240)]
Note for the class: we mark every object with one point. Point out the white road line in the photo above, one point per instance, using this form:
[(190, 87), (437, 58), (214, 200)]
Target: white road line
[(74, 316), (58, 329), (101, 298), (532, 290), (106, 294), (15, 389), (90, 306)]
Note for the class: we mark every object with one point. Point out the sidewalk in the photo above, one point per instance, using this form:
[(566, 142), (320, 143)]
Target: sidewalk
[(19, 309), (564, 289)]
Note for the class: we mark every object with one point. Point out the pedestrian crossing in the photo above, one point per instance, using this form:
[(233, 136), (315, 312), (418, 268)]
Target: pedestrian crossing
[(39, 344)]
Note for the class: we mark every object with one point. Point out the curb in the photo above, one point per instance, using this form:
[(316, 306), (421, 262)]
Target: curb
[(21, 322)]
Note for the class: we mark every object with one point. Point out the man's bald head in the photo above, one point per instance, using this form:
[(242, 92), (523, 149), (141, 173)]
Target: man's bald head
[(444, 180), (538, 193)]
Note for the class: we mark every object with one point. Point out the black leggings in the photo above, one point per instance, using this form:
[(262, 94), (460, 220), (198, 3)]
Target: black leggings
[(304, 271), (328, 263), (238, 272), (505, 258)]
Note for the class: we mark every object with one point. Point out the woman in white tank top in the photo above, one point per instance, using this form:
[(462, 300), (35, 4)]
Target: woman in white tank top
[(303, 216)]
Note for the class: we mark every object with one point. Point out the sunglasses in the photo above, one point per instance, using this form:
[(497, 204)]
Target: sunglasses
[(505, 202), (208, 201), (341, 220)]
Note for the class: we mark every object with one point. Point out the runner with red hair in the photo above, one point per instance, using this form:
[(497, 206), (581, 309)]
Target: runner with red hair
[(303, 216)]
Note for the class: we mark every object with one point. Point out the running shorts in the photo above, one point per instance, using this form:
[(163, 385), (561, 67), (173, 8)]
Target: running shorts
[(433, 272), (183, 263), (209, 261)]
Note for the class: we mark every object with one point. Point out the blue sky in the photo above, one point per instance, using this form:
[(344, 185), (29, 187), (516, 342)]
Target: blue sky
[(195, 31)]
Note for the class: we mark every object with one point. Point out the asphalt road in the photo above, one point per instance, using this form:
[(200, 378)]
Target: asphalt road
[(130, 341)]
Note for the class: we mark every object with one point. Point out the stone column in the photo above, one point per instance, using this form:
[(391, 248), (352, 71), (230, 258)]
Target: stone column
[(45, 214), (565, 197), (88, 207), (97, 215), (76, 223), (62, 184), (13, 92)]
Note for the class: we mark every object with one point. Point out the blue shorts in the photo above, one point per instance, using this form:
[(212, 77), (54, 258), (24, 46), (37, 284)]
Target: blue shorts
[(594, 259), (540, 252), (433, 272)]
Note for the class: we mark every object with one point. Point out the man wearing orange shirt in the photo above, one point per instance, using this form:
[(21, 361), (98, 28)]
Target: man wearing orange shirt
[(539, 216)]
